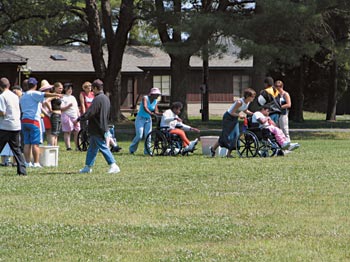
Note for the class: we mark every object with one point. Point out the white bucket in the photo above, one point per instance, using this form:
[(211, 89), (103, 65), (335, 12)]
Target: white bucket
[(48, 155), (208, 141)]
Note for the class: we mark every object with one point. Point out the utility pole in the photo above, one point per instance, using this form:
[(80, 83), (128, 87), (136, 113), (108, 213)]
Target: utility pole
[(204, 88)]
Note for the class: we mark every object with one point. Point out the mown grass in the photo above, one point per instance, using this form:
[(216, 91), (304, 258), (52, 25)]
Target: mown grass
[(196, 208)]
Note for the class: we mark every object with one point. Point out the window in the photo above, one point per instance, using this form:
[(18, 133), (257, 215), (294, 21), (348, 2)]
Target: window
[(163, 83), (240, 82)]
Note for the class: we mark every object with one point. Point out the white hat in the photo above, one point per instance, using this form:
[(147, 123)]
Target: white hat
[(154, 91), (45, 85)]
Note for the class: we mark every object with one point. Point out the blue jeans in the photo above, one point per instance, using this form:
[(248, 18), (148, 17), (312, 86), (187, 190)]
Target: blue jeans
[(97, 143), (275, 117), (143, 126)]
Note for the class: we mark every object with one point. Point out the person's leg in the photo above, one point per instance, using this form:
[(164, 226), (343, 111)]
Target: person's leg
[(182, 135), (107, 154), (232, 138), (75, 137), (66, 137), (36, 153), (27, 149), (92, 152), (15, 146), (284, 125), (139, 128), (280, 137), (147, 130)]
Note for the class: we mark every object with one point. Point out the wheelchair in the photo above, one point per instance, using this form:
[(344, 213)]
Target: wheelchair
[(159, 142), (254, 141), (84, 138)]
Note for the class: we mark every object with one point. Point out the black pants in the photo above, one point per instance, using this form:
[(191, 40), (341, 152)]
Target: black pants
[(13, 139)]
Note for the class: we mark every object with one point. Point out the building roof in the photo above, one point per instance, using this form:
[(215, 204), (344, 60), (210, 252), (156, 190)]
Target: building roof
[(11, 58), (78, 58)]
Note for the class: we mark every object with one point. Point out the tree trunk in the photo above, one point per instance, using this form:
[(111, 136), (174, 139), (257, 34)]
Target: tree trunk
[(179, 81), (332, 93), (297, 93)]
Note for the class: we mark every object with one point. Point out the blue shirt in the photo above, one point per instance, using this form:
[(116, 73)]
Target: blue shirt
[(31, 104), (151, 107)]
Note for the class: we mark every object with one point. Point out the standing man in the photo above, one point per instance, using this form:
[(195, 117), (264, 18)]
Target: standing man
[(31, 129), (10, 123), (270, 96), (97, 115)]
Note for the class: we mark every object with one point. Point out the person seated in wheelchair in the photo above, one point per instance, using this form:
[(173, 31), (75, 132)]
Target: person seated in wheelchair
[(262, 118), (172, 122)]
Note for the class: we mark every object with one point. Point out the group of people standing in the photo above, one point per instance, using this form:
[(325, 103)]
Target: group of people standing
[(25, 115)]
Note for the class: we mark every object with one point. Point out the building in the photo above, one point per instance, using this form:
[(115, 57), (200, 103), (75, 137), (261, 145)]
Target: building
[(143, 67)]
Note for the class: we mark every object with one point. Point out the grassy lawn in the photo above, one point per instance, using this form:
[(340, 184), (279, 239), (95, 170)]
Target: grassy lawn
[(196, 208)]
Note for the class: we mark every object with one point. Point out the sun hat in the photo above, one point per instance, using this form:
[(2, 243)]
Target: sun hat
[(45, 85), (154, 91), (32, 81)]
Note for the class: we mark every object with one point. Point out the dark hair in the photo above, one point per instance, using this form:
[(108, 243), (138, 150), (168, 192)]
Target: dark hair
[(67, 86), (265, 107), (269, 81), (175, 105), (15, 87), (248, 92)]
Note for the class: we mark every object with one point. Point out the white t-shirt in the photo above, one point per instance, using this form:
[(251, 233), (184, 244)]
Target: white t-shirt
[(72, 111), (168, 121), (258, 115), (9, 104)]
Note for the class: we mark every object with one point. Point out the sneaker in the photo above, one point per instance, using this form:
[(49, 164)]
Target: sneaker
[(116, 149), (69, 149), (293, 146), (212, 152), (285, 145), (192, 144), (86, 169), (37, 165), (28, 164), (114, 169)]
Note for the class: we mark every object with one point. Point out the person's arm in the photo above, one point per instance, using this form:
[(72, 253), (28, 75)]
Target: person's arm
[(2, 106), (156, 111), (235, 109), (145, 106), (288, 103), (82, 103)]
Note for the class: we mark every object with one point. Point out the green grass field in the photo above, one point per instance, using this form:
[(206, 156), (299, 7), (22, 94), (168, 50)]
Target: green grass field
[(196, 208)]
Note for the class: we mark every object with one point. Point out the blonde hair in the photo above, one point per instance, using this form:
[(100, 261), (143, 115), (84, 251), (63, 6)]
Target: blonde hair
[(87, 83)]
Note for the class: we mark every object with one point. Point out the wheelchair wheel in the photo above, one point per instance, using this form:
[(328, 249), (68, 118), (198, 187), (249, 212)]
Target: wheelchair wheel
[(83, 140), (247, 144), (268, 148), (174, 145), (156, 143)]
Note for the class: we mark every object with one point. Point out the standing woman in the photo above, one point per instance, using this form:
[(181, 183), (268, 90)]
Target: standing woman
[(285, 103), (85, 97), (70, 113), (55, 118), (143, 121), (230, 125)]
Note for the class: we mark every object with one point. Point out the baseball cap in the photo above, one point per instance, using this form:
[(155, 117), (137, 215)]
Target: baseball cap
[(32, 81), (97, 83)]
